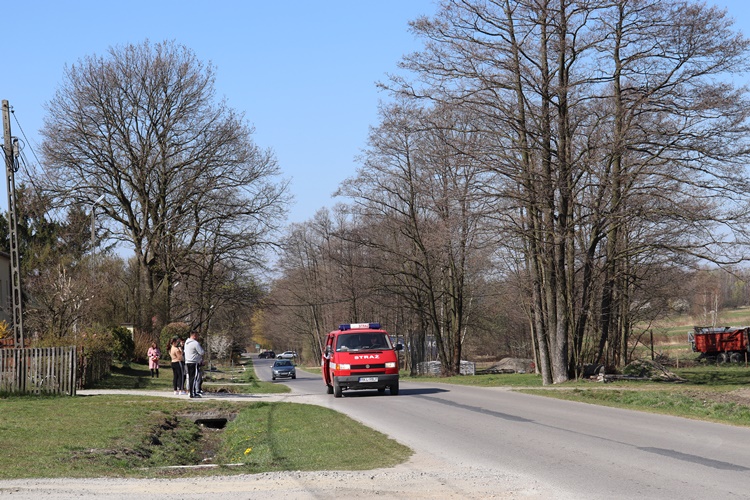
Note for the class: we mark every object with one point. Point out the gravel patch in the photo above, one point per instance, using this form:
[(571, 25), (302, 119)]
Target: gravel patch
[(419, 478)]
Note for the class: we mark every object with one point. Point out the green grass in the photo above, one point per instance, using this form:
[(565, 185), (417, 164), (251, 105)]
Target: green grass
[(734, 317), (306, 437), (147, 436), (683, 403), (712, 393), (90, 436), (140, 436), (727, 377)]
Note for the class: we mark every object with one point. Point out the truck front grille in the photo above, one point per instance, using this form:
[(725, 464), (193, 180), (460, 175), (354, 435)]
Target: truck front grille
[(381, 366)]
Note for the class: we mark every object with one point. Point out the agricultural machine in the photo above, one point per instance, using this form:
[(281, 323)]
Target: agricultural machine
[(720, 344)]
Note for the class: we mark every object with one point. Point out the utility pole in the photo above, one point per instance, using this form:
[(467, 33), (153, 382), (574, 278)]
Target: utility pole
[(10, 149)]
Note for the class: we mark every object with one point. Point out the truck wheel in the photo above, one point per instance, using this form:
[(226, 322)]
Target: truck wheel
[(329, 389), (394, 389), (337, 392), (735, 357), (722, 357)]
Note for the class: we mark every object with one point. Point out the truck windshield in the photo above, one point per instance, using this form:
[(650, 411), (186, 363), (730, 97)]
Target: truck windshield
[(362, 341)]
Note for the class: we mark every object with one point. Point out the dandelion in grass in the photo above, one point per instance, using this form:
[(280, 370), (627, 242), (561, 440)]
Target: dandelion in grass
[(247, 451)]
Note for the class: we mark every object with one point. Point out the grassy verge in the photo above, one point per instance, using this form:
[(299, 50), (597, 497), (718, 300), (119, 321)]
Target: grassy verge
[(306, 437), (141, 436), (701, 405), (144, 436)]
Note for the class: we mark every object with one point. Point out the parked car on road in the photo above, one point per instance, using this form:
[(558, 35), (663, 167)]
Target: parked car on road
[(287, 355), (283, 368), (267, 355)]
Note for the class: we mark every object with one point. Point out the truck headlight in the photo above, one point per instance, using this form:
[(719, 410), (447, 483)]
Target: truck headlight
[(342, 366), (390, 364)]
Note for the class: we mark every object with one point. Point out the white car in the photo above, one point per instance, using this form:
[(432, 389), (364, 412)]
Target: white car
[(287, 355)]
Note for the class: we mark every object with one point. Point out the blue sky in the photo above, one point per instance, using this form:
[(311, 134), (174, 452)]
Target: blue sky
[(303, 72)]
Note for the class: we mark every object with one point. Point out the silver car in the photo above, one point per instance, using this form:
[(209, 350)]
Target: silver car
[(283, 368)]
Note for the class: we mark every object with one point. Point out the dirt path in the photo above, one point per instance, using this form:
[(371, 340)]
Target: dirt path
[(420, 478)]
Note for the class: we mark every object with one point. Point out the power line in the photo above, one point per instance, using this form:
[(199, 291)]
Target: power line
[(13, 112), (36, 189)]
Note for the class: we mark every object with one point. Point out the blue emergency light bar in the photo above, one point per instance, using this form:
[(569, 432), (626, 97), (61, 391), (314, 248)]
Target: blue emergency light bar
[(359, 326)]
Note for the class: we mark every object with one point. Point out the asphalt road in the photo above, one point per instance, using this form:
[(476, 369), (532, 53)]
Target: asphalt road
[(573, 449)]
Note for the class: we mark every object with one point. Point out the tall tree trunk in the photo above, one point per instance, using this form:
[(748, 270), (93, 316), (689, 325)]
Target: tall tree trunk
[(608, 317), (562, 203), (534, 236)]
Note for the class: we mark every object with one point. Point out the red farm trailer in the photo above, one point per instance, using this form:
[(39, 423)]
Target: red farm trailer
[(721, 344)]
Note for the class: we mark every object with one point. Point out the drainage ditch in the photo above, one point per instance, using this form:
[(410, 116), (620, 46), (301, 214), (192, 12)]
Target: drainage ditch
[(209, 420)]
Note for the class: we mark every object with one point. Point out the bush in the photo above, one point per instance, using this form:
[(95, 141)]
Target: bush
[(170, 331), (123, 345), (93, 339), (96, 339), (142, 343)]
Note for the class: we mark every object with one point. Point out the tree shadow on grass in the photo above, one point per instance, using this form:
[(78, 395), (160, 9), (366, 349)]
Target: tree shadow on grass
[(133, 376)]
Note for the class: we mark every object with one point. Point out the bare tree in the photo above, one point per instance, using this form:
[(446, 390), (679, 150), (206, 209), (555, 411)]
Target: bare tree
[(419, 205), (324, 282), (617, 139), (138, 136)]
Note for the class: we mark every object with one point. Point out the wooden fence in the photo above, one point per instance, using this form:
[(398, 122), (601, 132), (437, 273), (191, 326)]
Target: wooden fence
[(39, 370), (93, 367)]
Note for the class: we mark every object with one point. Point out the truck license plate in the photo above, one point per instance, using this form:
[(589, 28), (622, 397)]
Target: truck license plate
[(368, 379)]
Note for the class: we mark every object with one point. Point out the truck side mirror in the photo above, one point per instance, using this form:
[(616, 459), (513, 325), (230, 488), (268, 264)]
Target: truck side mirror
[(399, 347)]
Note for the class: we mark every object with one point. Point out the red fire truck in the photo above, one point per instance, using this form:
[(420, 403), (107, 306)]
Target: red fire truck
[(360, 356), (720, 344)]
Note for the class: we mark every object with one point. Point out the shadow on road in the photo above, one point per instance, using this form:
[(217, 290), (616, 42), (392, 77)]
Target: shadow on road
[(402, 392), (421, 390)]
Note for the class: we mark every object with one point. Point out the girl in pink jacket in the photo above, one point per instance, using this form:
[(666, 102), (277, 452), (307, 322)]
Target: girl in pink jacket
[(153, 359)]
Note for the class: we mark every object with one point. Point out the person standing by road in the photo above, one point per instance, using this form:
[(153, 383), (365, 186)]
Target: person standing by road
[(193, 357), (199, 377), (153, 355), (181, 345), (178, 377)]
